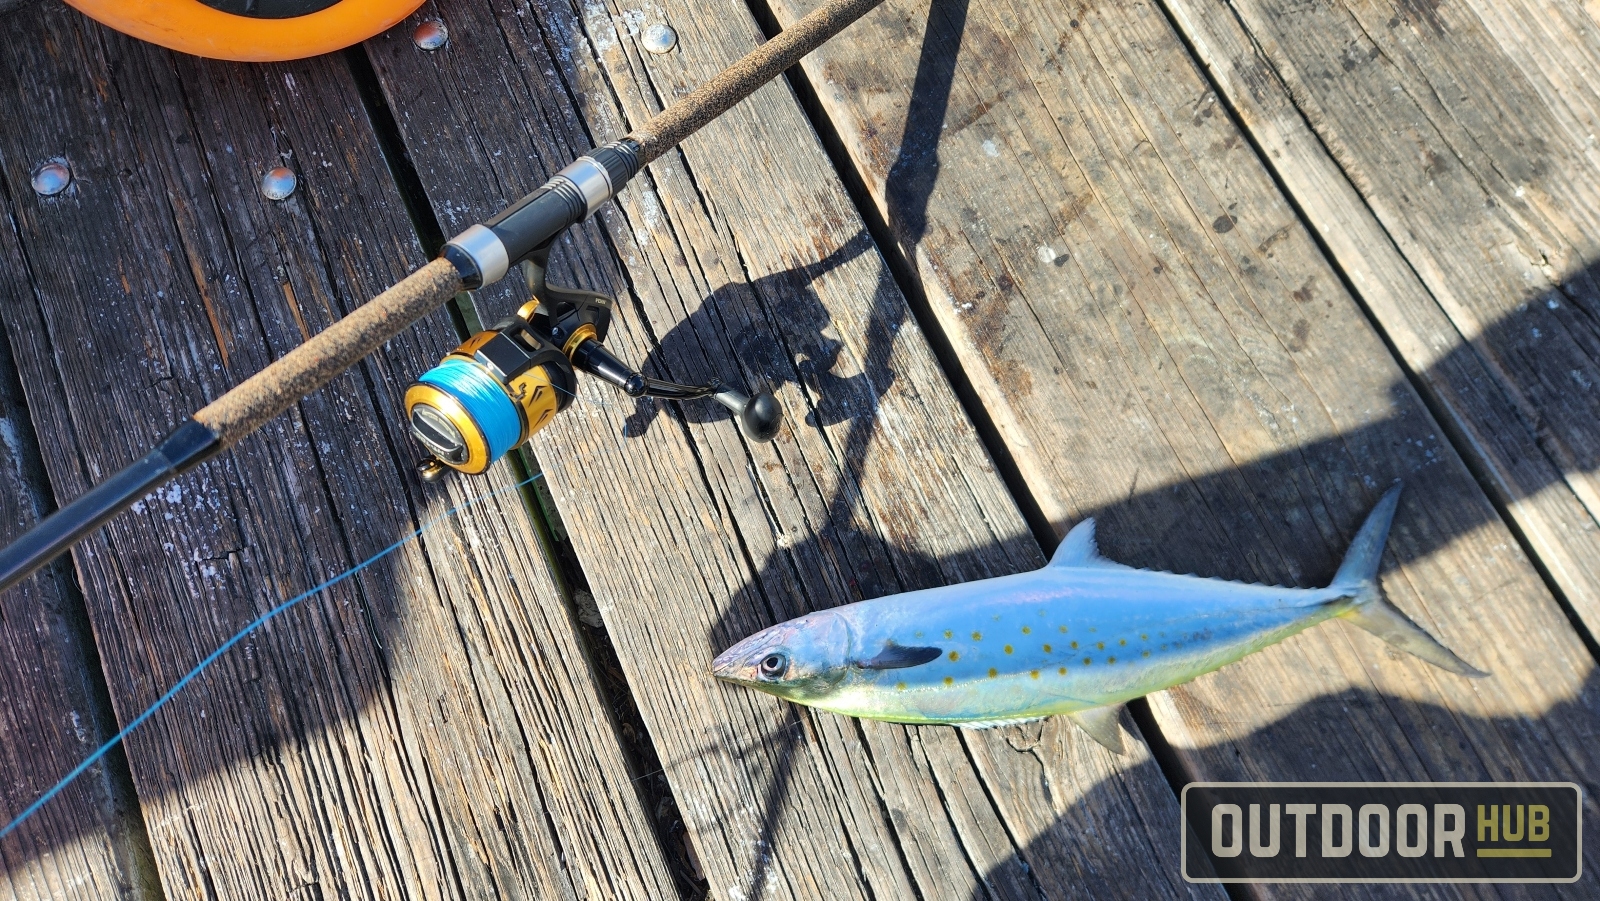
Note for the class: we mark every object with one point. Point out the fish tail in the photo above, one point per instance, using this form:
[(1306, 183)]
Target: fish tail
[(1357, 580)]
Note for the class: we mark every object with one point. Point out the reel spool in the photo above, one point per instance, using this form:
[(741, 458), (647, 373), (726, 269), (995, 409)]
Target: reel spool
[(503, 384), (249, 30), (488, 396)]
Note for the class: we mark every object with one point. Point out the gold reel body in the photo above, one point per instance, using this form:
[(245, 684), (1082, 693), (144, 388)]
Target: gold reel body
[(471, 409)]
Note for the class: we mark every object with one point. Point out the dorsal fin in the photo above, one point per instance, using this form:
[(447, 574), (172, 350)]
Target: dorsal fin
[(1078, 548)]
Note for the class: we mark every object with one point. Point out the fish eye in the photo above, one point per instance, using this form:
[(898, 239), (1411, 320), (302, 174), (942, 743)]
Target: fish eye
[(773, 666)]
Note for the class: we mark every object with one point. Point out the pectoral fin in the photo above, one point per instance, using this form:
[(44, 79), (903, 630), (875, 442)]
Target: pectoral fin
[(895, 656), (1102, 724)]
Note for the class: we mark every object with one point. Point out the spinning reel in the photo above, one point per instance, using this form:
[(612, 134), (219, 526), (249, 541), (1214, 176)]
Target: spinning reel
[(505, 383)]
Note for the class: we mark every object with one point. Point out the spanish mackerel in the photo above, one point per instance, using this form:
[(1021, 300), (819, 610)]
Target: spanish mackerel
[(1079, 637)]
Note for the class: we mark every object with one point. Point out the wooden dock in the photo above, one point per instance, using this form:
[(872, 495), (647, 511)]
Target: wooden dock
[(1216, 273)]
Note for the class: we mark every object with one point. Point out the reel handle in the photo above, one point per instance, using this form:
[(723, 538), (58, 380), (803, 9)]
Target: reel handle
[(759, 417)]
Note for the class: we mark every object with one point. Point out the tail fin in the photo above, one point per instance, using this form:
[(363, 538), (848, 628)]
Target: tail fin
[(1370, 610)]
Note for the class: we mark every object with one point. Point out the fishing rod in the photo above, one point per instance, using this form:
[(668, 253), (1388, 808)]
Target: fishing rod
[(500, 386)]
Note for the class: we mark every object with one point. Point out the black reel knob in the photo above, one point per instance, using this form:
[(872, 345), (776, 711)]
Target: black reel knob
[(759, 417)]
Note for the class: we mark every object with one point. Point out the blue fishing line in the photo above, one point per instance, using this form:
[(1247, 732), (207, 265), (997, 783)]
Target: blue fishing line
[(485, 399), (238, 637)]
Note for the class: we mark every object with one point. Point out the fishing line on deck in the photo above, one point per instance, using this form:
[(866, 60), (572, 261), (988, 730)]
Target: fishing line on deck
[(211, 658)]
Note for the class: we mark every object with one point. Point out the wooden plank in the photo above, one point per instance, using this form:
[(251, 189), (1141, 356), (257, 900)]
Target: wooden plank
[(1461, 115), (430, 728), (742, 258), (89, 843), (1160, 344)]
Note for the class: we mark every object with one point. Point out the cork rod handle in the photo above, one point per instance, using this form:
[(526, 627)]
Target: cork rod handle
[(315, 363)]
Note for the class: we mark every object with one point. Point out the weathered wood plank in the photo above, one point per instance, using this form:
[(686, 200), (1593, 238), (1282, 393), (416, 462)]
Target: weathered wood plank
[(1451, 172), (430, 728), (89, 844), (742, 258), (1160, 344)]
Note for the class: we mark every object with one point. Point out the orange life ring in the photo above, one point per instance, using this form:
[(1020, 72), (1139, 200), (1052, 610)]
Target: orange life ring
[(261, 30)]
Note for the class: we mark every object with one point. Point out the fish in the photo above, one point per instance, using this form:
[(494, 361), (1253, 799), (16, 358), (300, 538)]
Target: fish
[(1080, 637)]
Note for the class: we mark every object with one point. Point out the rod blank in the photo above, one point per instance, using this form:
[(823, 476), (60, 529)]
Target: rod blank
[(668, 128)]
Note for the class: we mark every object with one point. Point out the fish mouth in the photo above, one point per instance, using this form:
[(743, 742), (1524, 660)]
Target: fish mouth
[(724, 665), (738, 663)]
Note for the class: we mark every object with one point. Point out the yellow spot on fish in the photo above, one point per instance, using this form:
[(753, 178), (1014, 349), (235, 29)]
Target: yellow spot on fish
[(1120, 641), (1034, 673), (900, 685), (949, 634), (917, 634), (1047, 649), (949, 681), (993, 672), (955, 655), (1111, 660), (1008, 649), (1062, 671), (977, 636), (1063, 630), (1145, 654), (1100, 645), (1026, 630), (1074, 645), (1093, 629), (1142, 636), (1087, 661)]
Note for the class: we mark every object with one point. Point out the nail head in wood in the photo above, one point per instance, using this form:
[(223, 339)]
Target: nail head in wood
[(660, 38), (278, 183), (51, 178), (431, 35)]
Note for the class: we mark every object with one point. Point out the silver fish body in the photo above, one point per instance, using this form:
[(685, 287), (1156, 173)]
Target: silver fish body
[(1077, 637)]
